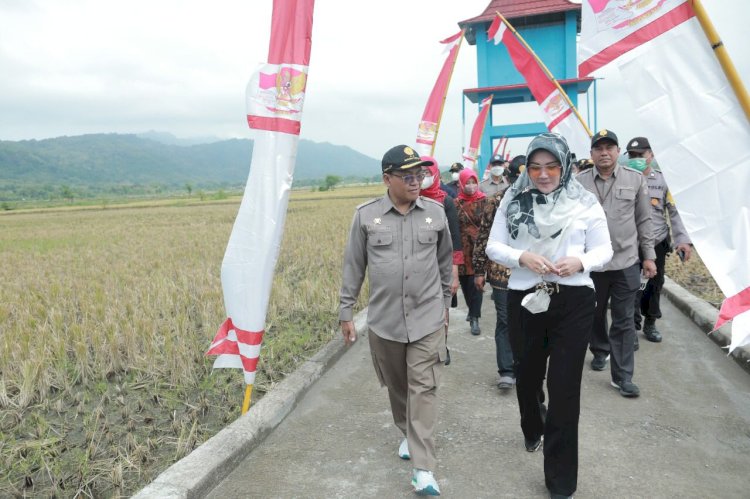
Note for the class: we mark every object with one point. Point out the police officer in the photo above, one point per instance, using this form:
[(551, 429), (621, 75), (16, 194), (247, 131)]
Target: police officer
[(641, 158), (451, 188), (495, 182), (403, 242), (623, 194)]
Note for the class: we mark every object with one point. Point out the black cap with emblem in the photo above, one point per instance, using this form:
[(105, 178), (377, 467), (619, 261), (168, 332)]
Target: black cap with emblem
[(604, 135), (638, 144), (402, 157)]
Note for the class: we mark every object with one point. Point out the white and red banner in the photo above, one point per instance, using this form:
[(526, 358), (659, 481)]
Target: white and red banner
[(477, 131), (558, 115), (697, 129), (275, 95), (428, 127)]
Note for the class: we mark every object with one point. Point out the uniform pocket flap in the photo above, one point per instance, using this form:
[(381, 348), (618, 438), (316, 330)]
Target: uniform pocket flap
[(381, 238), (625, 193), (427, 236)]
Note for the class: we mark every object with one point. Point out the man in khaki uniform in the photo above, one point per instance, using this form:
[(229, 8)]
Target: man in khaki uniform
[(647, 301), (623, 194), (495, 183), (404, 243)]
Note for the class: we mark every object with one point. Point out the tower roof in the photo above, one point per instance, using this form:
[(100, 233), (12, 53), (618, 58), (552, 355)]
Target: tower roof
[(513, 9)]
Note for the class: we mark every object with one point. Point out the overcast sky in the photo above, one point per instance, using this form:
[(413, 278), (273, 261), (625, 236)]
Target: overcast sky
[(88, 66)]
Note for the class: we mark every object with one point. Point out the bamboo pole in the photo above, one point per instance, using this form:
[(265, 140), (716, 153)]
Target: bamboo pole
[(723, 56), (442, 104), (248, 396), (546, 71)]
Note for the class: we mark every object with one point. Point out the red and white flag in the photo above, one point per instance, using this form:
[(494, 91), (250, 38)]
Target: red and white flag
[(695, 125), (558, 115), (275, 95), (428, 127), (478, 130)]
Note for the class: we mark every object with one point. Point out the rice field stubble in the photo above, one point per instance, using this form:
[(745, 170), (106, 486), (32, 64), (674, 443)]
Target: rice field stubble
[(104, 319)]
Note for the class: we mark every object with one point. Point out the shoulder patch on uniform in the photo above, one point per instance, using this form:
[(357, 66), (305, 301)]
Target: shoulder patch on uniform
[(670, 199), (368, 203)]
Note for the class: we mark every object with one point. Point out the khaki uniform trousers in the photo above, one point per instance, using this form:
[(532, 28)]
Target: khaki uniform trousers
[(411, 372)]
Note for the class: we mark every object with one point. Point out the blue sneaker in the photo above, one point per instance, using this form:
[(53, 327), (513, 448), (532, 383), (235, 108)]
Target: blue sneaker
[(424, 483)]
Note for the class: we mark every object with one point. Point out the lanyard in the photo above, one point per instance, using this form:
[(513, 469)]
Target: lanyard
[(606, 194)]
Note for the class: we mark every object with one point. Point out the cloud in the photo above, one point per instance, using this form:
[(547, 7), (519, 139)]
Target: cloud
[(181, 66)]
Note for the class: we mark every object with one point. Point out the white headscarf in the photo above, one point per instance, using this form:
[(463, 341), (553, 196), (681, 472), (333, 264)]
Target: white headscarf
[(538, 221)]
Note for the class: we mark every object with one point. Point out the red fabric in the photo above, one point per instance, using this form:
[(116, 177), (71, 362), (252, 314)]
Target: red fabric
[(464, 177), (536, 79), (434, 191), (435, 101), (733, 306), (291, 32), (662, 24), (478, 129), (222, 345), (458, 257), (274, 124)]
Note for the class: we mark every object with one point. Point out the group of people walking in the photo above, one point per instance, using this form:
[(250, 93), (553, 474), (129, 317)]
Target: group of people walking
[(555, 246)]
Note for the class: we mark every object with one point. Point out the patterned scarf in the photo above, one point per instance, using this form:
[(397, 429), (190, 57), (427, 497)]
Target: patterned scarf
[(538, 221)]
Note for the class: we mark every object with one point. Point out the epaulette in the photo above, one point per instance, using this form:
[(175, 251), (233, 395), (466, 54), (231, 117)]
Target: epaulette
[(368, 202), (425, 198)]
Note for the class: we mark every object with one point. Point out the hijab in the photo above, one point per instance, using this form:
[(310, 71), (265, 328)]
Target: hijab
[(434, 191), (463, 178), (539, 222)]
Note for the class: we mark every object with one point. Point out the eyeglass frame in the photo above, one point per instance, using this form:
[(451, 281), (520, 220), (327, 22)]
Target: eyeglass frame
[(410, 177)]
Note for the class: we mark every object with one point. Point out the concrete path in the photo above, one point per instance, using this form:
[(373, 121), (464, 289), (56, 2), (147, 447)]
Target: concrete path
[(688, 435)]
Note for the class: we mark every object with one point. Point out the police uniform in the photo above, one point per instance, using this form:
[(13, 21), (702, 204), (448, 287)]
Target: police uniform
[(662, 204), (408, 258), (625, 199), (491, 187)]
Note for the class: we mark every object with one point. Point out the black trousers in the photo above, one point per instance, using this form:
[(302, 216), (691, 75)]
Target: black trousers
[(647, 301), (560, 334), (472, 295), (618, 287)]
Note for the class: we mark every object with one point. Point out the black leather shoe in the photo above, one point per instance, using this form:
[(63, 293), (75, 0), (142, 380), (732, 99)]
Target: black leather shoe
[(627, 389), (552, 495), (475, 326), (598, 363), (533, 445), (651, 333)]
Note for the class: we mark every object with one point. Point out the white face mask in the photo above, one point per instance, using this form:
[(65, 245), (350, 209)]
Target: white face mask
[(428, 181), (454, 175), (496, 171)]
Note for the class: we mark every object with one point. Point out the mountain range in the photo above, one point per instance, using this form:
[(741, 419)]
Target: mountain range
[(100, 161)]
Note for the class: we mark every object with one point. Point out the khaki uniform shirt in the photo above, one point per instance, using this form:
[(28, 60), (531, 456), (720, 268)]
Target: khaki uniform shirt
[(490, 187), (624, 197), (661, 204), (409, 259)]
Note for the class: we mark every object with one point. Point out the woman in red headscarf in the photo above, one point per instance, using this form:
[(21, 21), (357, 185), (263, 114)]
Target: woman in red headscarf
[(431, 189), (470, 205)]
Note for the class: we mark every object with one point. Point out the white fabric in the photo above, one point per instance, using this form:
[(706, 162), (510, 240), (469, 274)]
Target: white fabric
[(576, 136), (697, 129), (250, 258), (587, 239)]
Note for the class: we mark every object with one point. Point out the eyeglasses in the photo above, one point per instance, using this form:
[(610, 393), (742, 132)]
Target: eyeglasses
[(535, 169), (411, 178)]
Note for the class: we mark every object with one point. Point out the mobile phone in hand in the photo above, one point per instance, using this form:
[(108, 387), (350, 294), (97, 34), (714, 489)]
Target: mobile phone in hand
[(681, 254)]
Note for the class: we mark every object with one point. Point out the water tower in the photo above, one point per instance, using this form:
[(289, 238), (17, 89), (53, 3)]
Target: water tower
[(550, 27)]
